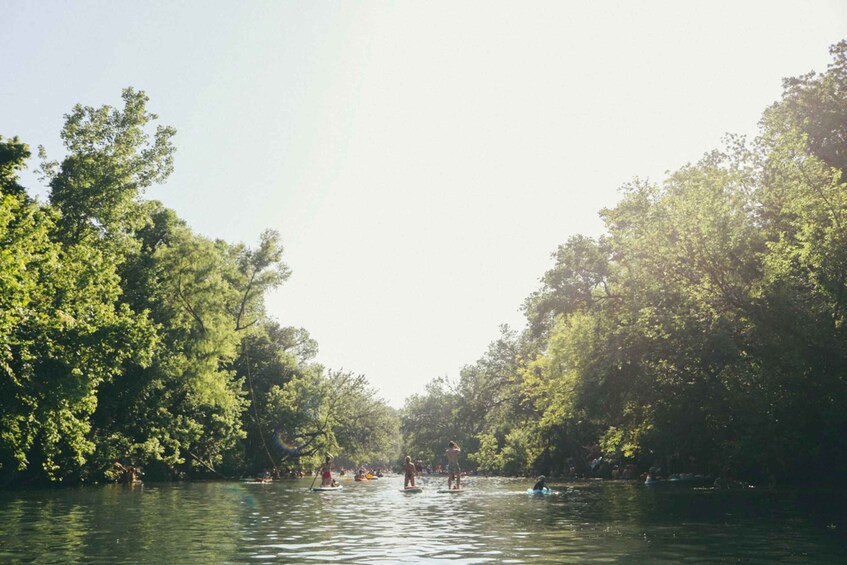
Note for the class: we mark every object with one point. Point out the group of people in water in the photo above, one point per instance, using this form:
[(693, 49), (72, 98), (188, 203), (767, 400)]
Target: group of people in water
[(361, 474), (454, 471), (410, 469)]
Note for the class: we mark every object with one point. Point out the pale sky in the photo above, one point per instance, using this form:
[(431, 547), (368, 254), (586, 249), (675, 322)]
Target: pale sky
[(422, 160)]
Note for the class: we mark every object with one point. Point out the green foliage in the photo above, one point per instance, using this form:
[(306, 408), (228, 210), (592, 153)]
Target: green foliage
[(13, 156), (430, 420), (62, 335), (521, 451), (111, 161), (128, 341), (815, 106), (704, 330), (318, 413), (487, 457), (579, 281)]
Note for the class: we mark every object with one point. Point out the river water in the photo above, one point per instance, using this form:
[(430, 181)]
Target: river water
[(492, 521)]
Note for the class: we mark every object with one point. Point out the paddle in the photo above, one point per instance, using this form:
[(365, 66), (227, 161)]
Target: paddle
[(319, 472), (328, 464), (313, 480)]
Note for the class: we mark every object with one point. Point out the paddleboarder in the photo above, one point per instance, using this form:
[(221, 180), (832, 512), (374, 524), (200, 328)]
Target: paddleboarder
[(453, 468), (326, 472), (409, 467)]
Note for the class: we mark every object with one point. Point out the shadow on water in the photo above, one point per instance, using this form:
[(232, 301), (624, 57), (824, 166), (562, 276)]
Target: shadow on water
[(493, 521)]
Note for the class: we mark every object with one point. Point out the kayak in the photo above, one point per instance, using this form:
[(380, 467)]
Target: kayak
[(325, 489), (412, 489), (544, 490)]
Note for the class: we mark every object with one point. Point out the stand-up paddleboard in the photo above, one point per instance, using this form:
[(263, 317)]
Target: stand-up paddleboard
[(451, 490), (412, 489), (327, 489)]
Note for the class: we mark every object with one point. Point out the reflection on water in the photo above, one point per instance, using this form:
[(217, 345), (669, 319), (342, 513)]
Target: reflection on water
[(493, 521)]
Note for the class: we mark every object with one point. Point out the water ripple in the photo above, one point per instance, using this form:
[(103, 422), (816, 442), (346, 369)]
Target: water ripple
[(494, 521)]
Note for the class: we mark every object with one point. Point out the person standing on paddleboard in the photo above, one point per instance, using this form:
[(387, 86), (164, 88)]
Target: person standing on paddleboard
[(326, 472), (453, 468), (409, 467)]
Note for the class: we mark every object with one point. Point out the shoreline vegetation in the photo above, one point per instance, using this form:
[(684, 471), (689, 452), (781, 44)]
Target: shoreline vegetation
[(704, 333)]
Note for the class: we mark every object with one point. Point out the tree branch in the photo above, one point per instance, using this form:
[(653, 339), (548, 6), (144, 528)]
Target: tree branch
[(188, 306)]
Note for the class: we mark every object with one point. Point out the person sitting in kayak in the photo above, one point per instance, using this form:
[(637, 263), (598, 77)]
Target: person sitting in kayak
[(541, 484), (326, 472), (453, 468), (409, 467)]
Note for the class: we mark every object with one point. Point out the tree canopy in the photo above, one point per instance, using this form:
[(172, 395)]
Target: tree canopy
[(704, 331), (128, 341)]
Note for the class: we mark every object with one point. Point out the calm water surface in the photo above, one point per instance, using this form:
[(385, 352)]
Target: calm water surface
[(493, 521)]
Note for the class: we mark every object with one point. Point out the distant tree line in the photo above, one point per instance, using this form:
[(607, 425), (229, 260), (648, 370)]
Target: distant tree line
[(704, 331), (129, 342)]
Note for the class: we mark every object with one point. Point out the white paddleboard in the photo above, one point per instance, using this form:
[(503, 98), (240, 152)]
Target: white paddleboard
[(412, 489), (325, 489)]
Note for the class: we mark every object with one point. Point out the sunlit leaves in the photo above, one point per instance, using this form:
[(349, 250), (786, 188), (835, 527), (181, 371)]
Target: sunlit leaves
[(111, 161), (62, 334), (706, 326), (128, 340)]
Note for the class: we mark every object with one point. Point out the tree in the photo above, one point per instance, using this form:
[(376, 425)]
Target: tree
[(128, 340), (705, 329), (111, 161), (13, 156), (430, 420), (205, 298), (63, 334), (816, 106), (318, 413)]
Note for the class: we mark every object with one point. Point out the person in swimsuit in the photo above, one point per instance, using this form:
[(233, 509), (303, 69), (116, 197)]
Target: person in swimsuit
[(453, 468), (541, 484), (326, 472), (409, 467)]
